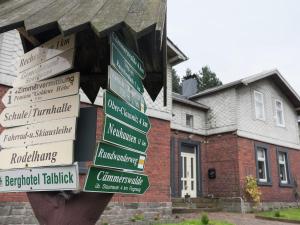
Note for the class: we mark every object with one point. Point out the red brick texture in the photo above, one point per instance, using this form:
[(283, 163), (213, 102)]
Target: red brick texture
[(157, 165), (247, 165)]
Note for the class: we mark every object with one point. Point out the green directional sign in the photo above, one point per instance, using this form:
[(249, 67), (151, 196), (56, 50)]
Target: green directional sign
[(122, 135), (125, 69), (112, 181), (131, 58), (121, 87), (119, 158), (117, 108)]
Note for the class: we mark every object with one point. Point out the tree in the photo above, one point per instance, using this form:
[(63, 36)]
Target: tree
[(176, 85), (207, 79)]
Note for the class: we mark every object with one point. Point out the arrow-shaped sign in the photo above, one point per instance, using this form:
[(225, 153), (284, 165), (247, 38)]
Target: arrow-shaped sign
[(50, 154), (131, 58), (48, 69), (46, 51), (122, 88), (118, 109), (120, 134), (43, 90), (41, 111), (119, 158), (112, 181), (47, 132)]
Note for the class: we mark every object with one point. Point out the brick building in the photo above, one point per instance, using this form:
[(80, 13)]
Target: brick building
[(247, 127)]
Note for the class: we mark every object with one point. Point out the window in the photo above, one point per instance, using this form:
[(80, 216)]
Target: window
[(283, 169), (279, 113), (259, 105), (189, 121), (262, 164)]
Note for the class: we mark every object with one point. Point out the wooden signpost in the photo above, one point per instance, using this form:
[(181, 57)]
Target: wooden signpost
[(44, 90), (41, 111), (40, 179), (46, 132), (50, 154), (113, 181)]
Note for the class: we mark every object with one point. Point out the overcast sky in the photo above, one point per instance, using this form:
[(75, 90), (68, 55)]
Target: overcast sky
[(237, 38)]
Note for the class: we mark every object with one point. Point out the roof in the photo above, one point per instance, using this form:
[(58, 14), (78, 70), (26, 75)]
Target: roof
[(175, 55), (139, 23), (181, 99), (274, 74)]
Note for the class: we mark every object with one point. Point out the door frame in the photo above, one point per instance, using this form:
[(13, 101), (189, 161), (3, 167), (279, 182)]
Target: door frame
[(196, 145)]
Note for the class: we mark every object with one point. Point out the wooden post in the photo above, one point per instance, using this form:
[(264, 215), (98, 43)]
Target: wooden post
[(53, 208)]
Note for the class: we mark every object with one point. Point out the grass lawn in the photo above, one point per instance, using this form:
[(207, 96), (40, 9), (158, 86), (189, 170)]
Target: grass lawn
[(292, 214), (198, 222)]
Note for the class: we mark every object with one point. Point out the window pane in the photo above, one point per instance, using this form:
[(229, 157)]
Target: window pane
[(192, 185), (259, 106), (184, 167), (261, 153), (281, 157), (282, 170), (261, 170), (185, 185), (192, 168), (189, 120)]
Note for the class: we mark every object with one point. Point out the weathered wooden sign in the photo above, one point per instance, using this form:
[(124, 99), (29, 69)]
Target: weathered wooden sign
[(40, 179), (112, 181), (48, 69), (41, 111), (46, 51), (50, 154), (46, 132), (118, 85), (43, 90), (119, 158), (131, 58), (122, 135), (118, 109), (119, 62)]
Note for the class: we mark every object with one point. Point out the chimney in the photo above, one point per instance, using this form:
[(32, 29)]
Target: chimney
[(189, 87)]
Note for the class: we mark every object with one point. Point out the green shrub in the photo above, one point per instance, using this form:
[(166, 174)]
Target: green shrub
[(277, 214), (204, 219)]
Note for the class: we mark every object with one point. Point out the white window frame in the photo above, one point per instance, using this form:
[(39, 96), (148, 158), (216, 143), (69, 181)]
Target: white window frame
[(276, 114), (259, 102), (284, 163), (191, 117), (262, 159)]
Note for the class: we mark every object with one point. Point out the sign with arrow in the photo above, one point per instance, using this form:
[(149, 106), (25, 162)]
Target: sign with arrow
[(46, 51), (41, 111), (112, 181), (50, 154), (40, 179), (43, 90), (48, 69), (118, 109), (120, 134), (47, 132), (127, 54), (118, 85), (119, 158)]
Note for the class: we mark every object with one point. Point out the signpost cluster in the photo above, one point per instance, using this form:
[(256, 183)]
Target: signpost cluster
[(40, 121), (121, 154)]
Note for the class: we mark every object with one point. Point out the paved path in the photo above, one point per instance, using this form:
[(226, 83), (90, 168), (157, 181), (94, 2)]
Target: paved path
[(246, 219), (234, 218)]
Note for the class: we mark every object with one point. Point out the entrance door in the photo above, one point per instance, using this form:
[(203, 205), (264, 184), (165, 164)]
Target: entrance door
[(188, 179)]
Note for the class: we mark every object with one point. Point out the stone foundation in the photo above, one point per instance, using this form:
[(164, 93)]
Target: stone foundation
[(115, 213)]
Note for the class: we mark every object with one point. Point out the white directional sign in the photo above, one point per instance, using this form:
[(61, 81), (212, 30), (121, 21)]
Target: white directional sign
[(48, 69), (47, 132), (50, 154), (43, 90), (46, 51), (40, 179), (41, 111)]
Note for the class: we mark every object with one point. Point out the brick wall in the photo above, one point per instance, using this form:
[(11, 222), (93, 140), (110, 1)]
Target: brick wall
[(247, 164), (157, 165)]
